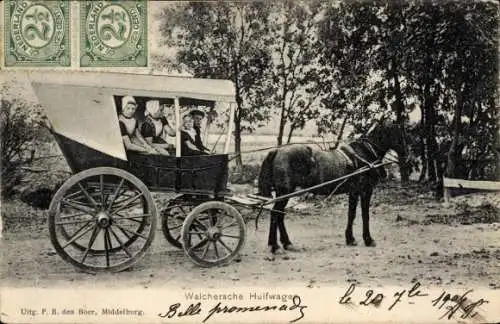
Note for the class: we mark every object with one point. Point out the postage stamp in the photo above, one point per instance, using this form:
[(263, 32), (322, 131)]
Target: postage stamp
[(37, 33), (113, 33)]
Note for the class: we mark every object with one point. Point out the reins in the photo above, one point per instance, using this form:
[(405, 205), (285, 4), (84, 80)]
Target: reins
[(277, 146)]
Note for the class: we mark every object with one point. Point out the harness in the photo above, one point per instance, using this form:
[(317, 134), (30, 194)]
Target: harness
[(351, 155), (354, 157)]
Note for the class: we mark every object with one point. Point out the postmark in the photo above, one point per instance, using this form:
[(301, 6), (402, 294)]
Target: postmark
[(37, 33), (113, 34)]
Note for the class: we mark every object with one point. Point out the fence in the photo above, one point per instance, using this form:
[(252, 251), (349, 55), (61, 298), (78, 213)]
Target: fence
[(449, 183)]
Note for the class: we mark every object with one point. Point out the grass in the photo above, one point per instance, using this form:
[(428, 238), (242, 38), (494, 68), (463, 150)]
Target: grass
[(18, 216)]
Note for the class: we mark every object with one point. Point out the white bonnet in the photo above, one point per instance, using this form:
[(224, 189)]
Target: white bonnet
[(128, 99), (152, 107)]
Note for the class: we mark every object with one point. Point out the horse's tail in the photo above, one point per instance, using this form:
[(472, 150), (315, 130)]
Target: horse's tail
[(266, 175)]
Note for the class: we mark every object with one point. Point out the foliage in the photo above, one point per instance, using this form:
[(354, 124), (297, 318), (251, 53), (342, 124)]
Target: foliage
[(348, 63), (19, 128), (440, 58), (224, 40), (294, 91), (247, 174)]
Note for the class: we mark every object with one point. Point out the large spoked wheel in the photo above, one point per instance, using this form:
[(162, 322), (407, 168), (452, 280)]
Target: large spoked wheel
[(213, 234), (172, 218), (102, 220), (130, 239)]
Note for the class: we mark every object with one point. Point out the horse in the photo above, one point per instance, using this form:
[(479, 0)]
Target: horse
[(288, 167)]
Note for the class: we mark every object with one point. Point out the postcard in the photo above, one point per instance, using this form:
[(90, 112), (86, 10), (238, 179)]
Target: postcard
[(249, 162)]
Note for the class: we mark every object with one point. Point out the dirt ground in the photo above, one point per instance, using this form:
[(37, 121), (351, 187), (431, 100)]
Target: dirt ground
[(417, 239)]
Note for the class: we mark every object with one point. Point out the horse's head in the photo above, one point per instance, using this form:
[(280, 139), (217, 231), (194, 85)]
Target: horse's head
[(387, 135)]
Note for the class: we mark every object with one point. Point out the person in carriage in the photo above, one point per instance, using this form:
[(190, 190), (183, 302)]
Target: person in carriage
[(188, 137), (155, 126), (198, 116), (132, 138)]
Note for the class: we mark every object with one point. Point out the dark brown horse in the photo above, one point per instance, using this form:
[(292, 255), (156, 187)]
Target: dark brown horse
[(286, 168)]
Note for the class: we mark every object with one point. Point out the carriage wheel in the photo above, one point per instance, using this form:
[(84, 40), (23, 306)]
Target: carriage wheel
[(102, 219), (129, 239), (172, 218), (213, 234)]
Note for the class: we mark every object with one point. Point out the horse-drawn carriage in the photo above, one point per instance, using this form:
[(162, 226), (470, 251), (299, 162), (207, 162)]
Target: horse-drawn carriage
[(103, 218)]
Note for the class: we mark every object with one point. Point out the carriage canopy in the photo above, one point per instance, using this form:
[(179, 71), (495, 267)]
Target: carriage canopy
[(81, 105)]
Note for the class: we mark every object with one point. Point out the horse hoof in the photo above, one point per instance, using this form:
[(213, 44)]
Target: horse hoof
[(292, 248), (279, 251), (270, 257), (352, 243), (370, 243)]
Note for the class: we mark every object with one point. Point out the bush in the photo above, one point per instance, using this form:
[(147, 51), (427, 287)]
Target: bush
[(248, 174), (20, 125)]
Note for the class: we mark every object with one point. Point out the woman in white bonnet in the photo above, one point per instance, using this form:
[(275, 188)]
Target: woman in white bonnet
[(155, 126), (132, 138)]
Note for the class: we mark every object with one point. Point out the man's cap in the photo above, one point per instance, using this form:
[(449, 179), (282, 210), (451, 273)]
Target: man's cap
[(195, 112)]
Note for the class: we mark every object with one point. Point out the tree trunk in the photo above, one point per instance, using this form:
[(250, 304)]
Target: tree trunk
[(237, 144), (403, 166), (290, 133), (423, 148), (281, 129), (497, 150), (432, 152), (423, 156), (341, 132), (237, 128), (429, 130), (455, 152)]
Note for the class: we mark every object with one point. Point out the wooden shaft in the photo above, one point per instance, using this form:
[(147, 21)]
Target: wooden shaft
[(300, 192)]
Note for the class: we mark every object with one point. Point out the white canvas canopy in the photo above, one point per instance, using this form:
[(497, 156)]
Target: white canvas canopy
[(80, 105)]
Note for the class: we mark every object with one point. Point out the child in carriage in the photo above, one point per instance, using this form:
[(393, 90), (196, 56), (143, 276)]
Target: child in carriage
[(132, 138), (155, 126), (188, 137)]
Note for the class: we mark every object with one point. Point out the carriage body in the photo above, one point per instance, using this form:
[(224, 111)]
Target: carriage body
[(193, 175), (83, 107), (103, 218)]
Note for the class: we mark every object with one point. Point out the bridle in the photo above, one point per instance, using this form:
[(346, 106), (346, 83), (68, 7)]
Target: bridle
[(372, 146)]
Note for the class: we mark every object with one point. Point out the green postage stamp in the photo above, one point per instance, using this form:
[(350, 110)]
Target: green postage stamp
[(113, 33), (37, 33)]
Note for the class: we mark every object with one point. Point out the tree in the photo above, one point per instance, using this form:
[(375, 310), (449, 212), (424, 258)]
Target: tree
[(224, 40), (438, 57), (19, 128), (473, 77), (344, 70), (294, 69)]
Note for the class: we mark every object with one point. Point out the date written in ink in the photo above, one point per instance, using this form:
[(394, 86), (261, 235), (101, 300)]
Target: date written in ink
[(372, 297), (453, 303)]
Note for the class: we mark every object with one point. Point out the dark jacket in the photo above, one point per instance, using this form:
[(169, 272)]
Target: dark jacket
[(197, 140)]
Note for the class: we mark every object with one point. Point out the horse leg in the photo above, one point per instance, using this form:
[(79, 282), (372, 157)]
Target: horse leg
[(284, 239), (365, 213), (351, 214), (272, 240)]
